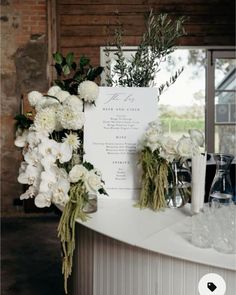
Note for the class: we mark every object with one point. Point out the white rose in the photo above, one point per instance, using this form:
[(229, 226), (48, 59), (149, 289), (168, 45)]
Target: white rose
[(78, 172), (34, 97), (168, 144), (185, 147), (152, 135), (197, 137), (88, 91), (93, 182)]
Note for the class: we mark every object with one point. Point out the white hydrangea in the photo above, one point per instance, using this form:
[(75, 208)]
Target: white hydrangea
[(34, 97), (45, 120), (71, 118), (74, 102), (88, 91)]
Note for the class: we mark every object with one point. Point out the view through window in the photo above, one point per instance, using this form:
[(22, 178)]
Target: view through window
[(182, 106)]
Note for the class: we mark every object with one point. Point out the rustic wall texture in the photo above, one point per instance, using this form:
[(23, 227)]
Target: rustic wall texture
[(23, 68), (82, 27)]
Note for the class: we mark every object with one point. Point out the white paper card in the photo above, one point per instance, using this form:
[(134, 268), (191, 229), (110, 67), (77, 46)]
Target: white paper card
[(111, 133)]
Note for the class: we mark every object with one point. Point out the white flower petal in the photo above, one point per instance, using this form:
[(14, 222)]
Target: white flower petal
[(43, 200), (88, 91)]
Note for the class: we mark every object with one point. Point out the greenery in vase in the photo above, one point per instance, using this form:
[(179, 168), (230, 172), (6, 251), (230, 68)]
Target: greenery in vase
[(157, 43), (157, 154)]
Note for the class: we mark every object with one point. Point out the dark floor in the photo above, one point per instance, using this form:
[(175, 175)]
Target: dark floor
[(30, 256)]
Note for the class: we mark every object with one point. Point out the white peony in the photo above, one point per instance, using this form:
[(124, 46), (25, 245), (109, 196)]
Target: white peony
[(34, 97), (71, 118), (88, 91), (78, 172), (74, 102), (45, 120), (92, 182), (53, 90)]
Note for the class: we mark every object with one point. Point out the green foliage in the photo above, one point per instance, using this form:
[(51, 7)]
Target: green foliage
[(157, 43), (88, 166), (175, 125), (154, 180), (22, 122), (71, 74)]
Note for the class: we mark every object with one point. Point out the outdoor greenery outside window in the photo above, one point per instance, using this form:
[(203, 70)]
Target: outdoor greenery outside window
[(182, 106)]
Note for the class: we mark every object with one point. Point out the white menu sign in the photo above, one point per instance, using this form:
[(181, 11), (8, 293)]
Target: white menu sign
[(111, 133)]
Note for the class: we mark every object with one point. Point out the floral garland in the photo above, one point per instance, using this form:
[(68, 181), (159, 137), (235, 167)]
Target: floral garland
[(53, 166), (158, 154)]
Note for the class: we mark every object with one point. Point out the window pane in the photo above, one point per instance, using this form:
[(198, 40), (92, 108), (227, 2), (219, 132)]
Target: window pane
[(182, 105), (225, 74), (225, 139)]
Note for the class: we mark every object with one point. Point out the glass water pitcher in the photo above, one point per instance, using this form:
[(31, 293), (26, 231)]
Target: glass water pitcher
[(221, 189)]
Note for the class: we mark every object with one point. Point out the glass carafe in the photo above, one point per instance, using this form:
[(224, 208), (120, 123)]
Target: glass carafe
[(221, 188), (179, 186)]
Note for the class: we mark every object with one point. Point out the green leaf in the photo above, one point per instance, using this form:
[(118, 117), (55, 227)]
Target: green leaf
[(58, 69), (59, 83), (70, 58), (102, 191), (58, 57), (84, 61), (94, 73), (22, 121), (88, 166), (74, 66), (66, 70)]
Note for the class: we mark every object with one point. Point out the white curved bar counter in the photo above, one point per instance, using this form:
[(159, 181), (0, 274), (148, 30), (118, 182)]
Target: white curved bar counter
[(122, 250)]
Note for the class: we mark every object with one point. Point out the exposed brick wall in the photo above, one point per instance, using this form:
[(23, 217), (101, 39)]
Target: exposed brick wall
[(23, 68)]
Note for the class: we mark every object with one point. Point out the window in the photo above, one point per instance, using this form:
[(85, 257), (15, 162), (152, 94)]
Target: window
[(221, 102), (207, 83)]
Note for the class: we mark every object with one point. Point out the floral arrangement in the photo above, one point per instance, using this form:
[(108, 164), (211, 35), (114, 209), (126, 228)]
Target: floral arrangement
[(159, 156), (52, 142)]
